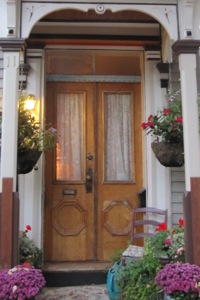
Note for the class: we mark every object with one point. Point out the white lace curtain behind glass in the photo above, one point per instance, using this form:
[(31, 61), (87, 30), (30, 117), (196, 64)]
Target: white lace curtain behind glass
[(118, 137), (69, 154)]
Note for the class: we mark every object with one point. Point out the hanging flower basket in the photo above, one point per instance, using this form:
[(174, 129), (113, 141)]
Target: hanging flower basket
[(169, 155), (27, 159)]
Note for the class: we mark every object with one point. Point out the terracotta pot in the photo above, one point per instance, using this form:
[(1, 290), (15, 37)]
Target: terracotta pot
[(169, 155), (26, 160)]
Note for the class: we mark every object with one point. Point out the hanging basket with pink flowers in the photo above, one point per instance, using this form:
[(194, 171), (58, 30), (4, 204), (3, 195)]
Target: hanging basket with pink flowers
[(167, 128), (169, 155)]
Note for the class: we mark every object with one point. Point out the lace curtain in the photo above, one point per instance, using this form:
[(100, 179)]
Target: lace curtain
[(69, 152), (118, 137)]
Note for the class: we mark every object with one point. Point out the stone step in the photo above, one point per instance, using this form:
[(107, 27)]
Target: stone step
[(75, 274)]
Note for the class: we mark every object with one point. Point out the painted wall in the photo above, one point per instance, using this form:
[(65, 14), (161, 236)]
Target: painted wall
[(3, 18)]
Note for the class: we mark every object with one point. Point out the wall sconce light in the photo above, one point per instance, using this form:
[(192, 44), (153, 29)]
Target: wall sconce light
[(30, 102)]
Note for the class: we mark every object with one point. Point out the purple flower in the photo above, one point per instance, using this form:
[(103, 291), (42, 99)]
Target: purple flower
[(180, 279), (53, 130), (20, 283)]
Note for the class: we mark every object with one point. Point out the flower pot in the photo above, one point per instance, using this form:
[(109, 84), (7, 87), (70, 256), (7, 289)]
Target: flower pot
[(167, 297), (164, 260), (26, 160), (169, 155)]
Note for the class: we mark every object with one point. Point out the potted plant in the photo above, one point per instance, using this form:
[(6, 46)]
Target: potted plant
[(167, 128), (179, 281), (136, 278), (32, 138), (21, 282), (28, 251)]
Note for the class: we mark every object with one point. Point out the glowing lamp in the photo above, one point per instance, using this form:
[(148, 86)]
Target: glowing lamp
[(30, 102)]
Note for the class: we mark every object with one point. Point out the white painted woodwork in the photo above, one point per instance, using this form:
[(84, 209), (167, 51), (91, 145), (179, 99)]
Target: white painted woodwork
[(187, 65), (10, 116), (157, 176), (3, 18), (32, 12), (31, 184)]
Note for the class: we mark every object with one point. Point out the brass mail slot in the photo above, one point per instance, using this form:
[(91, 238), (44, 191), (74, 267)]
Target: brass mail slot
[(69, 192)]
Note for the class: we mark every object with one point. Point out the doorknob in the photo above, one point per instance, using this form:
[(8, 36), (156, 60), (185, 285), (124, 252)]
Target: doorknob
[(88, 182), (89, 156), (88, 177)]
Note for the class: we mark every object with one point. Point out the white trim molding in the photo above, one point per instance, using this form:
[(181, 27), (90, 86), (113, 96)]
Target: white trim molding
[(166, 15)]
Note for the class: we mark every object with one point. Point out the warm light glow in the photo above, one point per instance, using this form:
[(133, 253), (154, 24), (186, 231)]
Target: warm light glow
[(30, 102)]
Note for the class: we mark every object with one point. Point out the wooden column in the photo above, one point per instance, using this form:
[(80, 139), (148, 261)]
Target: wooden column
[(195, 219), (189, 255), (6, 222)]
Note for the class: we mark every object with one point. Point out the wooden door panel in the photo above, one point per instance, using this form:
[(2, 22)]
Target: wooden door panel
[(117, 197), (69, 234), (81, 225)]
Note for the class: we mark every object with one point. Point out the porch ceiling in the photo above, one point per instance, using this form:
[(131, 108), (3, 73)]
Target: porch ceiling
[(73, 26)]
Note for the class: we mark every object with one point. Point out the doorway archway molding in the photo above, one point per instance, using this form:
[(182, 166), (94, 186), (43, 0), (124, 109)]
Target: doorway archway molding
[(166, 15)]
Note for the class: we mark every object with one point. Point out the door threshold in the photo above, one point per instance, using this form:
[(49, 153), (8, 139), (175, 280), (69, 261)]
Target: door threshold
[(76, 266), (59, 274)]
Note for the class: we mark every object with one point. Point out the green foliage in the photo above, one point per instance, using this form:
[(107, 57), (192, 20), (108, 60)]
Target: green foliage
[(157, 243), (176, 251), (29, 252), (136, 278), (30, 133), (169, 243), (117, 255)]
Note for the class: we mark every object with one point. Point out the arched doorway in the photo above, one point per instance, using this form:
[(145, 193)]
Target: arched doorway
[(82, 225)]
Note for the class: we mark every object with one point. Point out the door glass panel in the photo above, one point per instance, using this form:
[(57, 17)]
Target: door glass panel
[(70, 125), (118, 137)]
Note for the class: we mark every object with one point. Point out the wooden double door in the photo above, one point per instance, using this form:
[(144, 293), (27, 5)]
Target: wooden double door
[(93, 176)]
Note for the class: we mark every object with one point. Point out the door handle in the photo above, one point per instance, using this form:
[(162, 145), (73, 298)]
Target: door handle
[(88, 182), (89, 156)]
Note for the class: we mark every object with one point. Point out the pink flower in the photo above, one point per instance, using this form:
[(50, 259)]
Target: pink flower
[(28, 228), (180, 250), (26, 264), (179, 119), (167, 242), (144, 125), (166, 111), (150, 123)]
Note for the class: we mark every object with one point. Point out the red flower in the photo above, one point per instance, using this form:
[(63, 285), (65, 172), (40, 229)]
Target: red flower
[(144, 125), (26, 264), (166, 111), (179, 119), (28, 228), (150, 123), (181, 223), (161, 227), (150, 117)]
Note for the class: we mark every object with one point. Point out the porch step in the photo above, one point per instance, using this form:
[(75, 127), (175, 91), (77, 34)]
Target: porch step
[(75, 274)]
